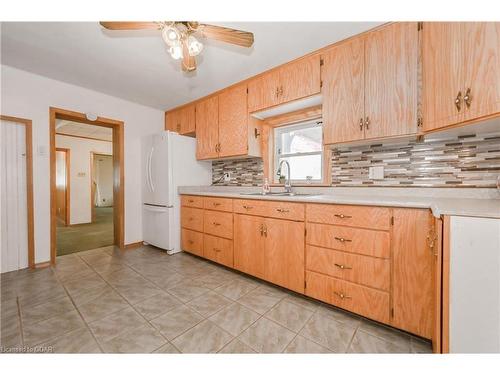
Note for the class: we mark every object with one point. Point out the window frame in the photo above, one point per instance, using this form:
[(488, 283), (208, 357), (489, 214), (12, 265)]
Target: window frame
[(277, 131)]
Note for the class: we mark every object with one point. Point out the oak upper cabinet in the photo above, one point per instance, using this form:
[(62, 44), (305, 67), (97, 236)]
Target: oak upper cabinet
[(249, 251), (207, 128), (370, 85), (414, 261), (461, 66), (292, 81), (182, 121), (284, 253), (233, 122)]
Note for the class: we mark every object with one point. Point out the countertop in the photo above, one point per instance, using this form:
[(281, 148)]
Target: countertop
[(487, 206)]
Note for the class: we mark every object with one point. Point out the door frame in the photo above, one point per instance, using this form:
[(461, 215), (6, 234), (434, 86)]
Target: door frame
[(68, 184), (92, 186), (29, 183), (118, 172)]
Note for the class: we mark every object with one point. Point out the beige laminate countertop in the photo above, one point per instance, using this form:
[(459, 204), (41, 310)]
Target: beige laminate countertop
[(477, 207)]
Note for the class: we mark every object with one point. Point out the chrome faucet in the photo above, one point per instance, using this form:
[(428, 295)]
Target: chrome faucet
[(288, 184)]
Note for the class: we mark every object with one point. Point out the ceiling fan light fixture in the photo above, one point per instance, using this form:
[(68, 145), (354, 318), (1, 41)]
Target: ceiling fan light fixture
[(176, 50), (170, 35), (194, 46)]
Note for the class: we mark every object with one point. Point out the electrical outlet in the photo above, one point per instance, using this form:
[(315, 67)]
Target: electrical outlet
[(227, 177)]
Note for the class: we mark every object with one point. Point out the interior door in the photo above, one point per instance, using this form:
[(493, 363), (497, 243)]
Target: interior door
[(482, 69), (442, 74), (284, 253), (14, 208), (249, 256), (62, 183), (300, 79), (233, 121), (207, 128), (343, 92), (263, 91), (391, 57)]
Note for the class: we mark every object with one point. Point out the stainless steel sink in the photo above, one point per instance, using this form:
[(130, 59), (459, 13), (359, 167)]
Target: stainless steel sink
[(280, 194)]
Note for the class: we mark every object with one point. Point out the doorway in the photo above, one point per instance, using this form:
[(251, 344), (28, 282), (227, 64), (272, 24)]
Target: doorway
[(94, 206), (63, 185), (17, 221)]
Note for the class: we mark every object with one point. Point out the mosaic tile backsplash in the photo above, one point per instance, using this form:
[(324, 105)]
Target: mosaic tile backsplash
[(457, 161)]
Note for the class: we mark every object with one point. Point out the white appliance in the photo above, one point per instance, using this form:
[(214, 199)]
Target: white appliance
[(169, 161)]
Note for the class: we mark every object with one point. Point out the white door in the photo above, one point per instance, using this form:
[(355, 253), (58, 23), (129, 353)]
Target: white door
[(14, 216)]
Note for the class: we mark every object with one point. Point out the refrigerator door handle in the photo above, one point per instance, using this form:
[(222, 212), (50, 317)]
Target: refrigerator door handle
[(157, 209), (150, 178)]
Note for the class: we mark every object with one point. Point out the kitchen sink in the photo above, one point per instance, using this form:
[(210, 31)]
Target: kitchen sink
[(280, 194)]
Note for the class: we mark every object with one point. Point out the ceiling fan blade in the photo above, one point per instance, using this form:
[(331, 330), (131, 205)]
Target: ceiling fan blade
[(118, 25), (225, 34), (188, 61)]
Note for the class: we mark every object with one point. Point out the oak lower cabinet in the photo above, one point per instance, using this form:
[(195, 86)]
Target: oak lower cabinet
[(271, 249)]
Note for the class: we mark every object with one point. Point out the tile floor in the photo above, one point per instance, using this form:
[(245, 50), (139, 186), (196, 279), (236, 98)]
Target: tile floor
[(144, 301)]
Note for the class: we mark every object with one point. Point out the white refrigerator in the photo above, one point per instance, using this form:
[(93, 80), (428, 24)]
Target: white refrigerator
[(169, 161)]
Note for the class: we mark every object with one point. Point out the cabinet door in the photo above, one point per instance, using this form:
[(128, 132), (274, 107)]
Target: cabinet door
[(187, 120), (413, 260), (249, 245), (233, 121), (172, 121), (284, 254), (442, 74), (207, 128), (343, 92), (391, 57), (263, 91), (482, 69), (300, 79)]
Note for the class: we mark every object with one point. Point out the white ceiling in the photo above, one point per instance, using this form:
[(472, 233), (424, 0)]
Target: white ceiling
[(84, 130), (135, 65)]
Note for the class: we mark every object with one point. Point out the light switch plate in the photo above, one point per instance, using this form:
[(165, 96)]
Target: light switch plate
[(376, 173), (227, 177)]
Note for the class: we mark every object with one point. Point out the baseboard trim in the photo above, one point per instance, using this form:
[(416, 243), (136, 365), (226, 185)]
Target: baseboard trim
[(41, 265), (133, 245)]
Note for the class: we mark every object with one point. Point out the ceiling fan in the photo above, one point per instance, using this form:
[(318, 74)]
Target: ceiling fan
[(180, 38)]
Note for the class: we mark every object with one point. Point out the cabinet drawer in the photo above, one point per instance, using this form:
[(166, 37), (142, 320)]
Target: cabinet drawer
[(218, 223), (218, 204), (371, 303), (192, 201), (354, 240), (218, 249), (353, 216), (274, 209), (360, 269), (192, 242), (192, 218)]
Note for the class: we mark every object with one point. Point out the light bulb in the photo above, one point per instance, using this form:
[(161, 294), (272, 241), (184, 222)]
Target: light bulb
[(176, 50), (170, 35), (194, 46)]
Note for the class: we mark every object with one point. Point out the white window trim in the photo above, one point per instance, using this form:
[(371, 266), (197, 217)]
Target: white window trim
[(277, 145)]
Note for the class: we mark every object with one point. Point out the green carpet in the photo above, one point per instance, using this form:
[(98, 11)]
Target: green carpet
[(87, 236)]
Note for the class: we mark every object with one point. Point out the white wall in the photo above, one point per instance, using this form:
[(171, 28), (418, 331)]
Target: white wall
[(80, 194), (103, 175), (29, 96)]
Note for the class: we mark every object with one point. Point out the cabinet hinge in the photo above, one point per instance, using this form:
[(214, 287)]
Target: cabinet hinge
[(420, 26), (321, 62), (305, 284), (392, 312), (420, 122), (247, 90), (392, 220), (320, 84), (305, 232)]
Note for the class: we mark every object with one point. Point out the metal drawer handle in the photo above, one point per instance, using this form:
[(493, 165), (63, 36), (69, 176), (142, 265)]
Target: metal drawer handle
[(217, 250), (282, 210), (190, 201), (190, 242), (468, 98), (341, 239), (191, 219), (216, 224), (342, 295), (458, 101), (342, 216), (216, 204), (342, 267), (247, 207)]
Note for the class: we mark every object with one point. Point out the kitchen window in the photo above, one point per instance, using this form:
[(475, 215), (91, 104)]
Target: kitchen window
[(302, 146)]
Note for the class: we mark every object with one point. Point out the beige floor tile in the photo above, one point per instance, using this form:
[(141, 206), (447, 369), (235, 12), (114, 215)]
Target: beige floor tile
[(302, 345), (339, 315), (235, 318), (188, 290), (143, 339), (157, 305), (53, 327), (84, 285), (265, 336), (136, 294), (289, 315), (34, 314), (237, 347), (216, 279), (209, 303), (116, 324), (78, 341), (236, 289), (366, 343), (384, 332), (420, 346), (176, 321), (259, 300), (205, 337), (168, 348), (105, 304), (303, 301), (168, 281), (328, 332)]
